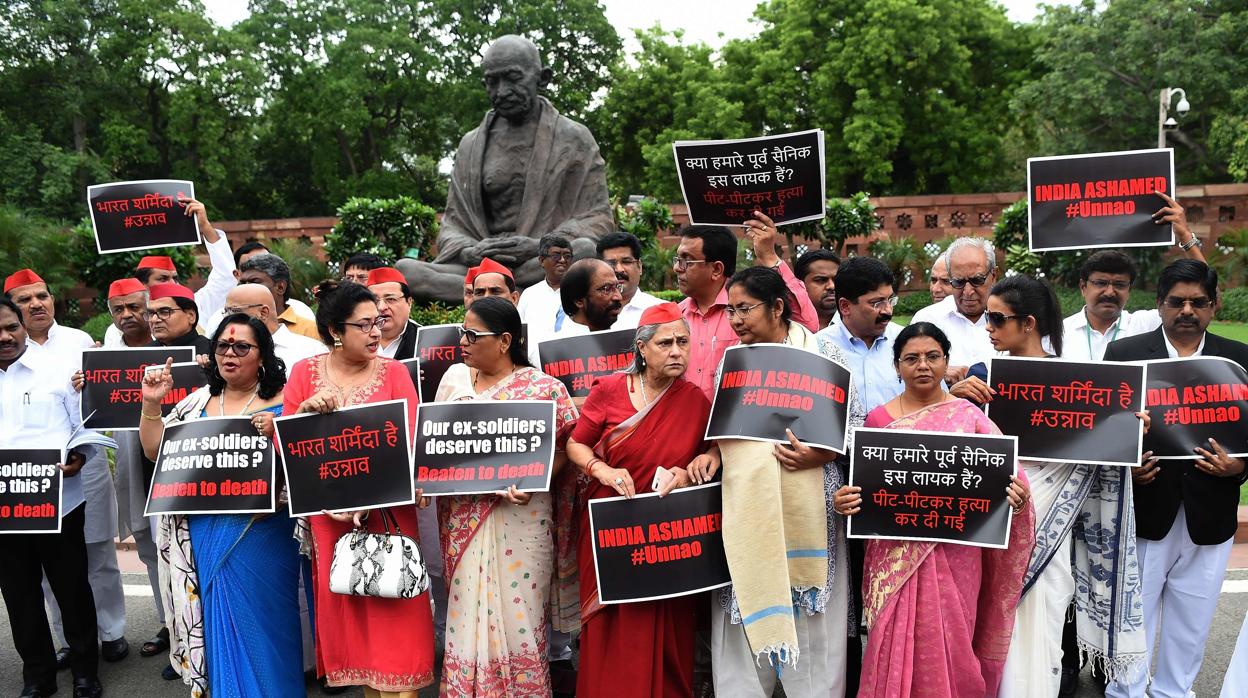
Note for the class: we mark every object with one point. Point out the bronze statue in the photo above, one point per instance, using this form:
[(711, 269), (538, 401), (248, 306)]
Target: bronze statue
[(524, 172)]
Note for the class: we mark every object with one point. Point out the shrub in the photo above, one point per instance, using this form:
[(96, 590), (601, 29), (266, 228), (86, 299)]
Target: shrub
[(844, 219), (389, 228), (97, 270), (30, 242), (911, 303), (1234, 305), (645, 218), (97, 326), (672, 295), (437, 314)]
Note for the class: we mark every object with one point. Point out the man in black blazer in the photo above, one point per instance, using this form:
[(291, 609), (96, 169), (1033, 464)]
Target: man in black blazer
[(398, 335), (1185, 510)]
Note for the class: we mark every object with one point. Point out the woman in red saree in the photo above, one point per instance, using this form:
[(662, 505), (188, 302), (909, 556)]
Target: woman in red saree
[(384, 645), (631, 424), (939, 615)]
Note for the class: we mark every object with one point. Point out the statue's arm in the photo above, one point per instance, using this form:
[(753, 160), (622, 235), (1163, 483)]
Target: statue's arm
[(591, 213)]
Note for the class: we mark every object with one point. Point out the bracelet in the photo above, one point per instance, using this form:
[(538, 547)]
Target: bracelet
[(589, 467), (1194, 242), (145, 415)]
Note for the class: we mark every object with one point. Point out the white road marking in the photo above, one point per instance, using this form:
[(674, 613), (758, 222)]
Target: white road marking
[(146, 589)]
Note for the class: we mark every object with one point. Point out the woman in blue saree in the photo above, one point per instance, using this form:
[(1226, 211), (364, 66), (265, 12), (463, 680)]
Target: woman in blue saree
[(230, 581)]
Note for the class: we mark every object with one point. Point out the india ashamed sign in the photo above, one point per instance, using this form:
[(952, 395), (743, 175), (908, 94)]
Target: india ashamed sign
[(578, 361), (1077, 202), (1194, 399)]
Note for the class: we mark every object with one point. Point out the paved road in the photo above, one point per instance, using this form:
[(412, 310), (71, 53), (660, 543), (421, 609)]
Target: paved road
[(136, 677)]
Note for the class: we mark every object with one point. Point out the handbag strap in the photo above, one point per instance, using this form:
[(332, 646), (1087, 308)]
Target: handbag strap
[(389, 522)]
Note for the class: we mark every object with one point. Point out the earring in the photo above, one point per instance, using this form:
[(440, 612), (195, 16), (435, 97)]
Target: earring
[(337, 342)]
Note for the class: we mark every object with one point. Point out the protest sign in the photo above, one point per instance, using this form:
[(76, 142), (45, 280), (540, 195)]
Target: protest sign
[(1077, 202), (437, 349), (30, 490), (1192, 400), (353, 458), (652, 547), (1069, 411), (485, 446), (141, 215), (924, 485), (213, 465), (578, 361), (754, 400), (112, 379), (725, 182)]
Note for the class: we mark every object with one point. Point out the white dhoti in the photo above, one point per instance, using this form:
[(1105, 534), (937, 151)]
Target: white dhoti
[(1235, 683)]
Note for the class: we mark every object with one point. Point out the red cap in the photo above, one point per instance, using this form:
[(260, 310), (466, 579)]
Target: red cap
[(660, 314), (471, 276), (489, 266), (382, 275), (124, 287), (21, 277), (156, 262), (171, 290)]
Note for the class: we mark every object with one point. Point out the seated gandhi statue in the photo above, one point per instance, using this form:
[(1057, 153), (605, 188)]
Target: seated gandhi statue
[(524, 172)]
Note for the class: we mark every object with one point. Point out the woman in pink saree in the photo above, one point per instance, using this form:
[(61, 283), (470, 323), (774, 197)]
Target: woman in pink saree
[(939, 615)]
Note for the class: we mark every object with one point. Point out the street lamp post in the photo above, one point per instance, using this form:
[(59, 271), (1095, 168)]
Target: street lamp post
[(1164, 120)]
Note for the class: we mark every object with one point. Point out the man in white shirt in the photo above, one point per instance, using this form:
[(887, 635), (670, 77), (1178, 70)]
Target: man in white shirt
[(39, 409), (540, 302), (972, 266), (938, 278), (153, 270), (622, 252), (256, 300), (29, 292)]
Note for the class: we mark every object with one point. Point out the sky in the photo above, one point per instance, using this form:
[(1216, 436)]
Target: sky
[(708, 21)]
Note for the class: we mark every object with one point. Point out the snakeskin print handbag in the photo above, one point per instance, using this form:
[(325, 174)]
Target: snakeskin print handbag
[(386, 564)]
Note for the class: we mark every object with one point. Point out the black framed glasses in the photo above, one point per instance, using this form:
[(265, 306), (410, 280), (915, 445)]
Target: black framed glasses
[(976, 281), (996, 319), (681, 264), (559, 256), (235, 309), (367, 326), (473, 335), (1102, 284), (743, 310), (239, 349), (162, 313), (1176, 303)]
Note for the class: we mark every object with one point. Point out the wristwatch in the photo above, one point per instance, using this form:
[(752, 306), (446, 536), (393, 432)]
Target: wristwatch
[(1194, 242)]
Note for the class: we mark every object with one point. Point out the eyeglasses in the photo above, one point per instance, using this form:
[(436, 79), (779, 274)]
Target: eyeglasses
[(976, 281), (609, 289), (622, 262), (1103, 284), (891, 302), (240, 349), (162, 313), (559, 256), (393, 300), (235, 309), (912, 360), (996, 319), (1176, 303), (734, 311), (473, 335), (681, 264), (367, 326)]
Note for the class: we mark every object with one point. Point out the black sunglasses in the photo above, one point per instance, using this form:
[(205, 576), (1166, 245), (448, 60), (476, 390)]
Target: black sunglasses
[(998, 319), (240, 349)]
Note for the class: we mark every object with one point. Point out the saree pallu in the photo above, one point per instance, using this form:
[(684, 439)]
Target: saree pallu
[(499, 563), (940, 615), (654, 640)]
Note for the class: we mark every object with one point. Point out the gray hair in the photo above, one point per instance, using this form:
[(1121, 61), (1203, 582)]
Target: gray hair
[(982, 244), (273, 266), (645, 333)]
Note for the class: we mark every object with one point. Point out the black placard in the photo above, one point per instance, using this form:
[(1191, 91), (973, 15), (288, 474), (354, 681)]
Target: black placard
[(1077, 202), (30, 490), (353, 458), (1192, 400), (1069, 411), (652, 547), (113, 378), (724, 182), (756, 400), (437, 349), (578, 361), (925, 485), (141, 215), (484, 446), (213, 465)]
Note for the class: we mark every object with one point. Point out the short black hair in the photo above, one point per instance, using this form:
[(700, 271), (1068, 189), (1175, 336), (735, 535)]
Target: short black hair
[(919, 329), (718, 244), (187, 305), (499, 315), (1107, 262), (145, 274), (336, 300), (364, 260), (861, 275), (6, 302), (272, 376), (575, 284), (821, 255), (766, 285), (1187, 271), (550, 240), (247, 248), (619, 239)]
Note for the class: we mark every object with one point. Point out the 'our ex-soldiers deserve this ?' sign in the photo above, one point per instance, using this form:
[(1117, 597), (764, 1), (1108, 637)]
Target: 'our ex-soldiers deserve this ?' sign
[(725, 182), (757, 401), (141, 215), (652, 547), (1076, 202), (213, 465), (923, 485), (578, 361), (1195, 399), (113, 378), (1069, 411), (482, 447), (352, 458), (30, 490)]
